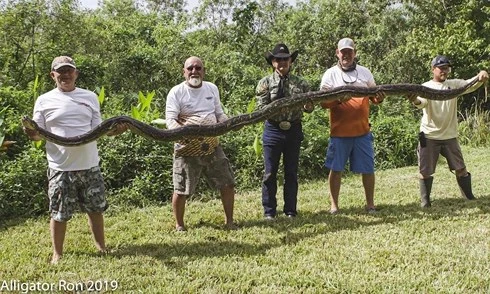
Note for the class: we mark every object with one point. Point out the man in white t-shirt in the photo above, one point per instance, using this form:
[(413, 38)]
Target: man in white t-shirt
[(439, 130), (197, 102), (73, 172)]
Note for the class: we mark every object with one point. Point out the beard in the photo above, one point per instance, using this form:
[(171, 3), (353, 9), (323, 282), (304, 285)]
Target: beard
[(195, 81)]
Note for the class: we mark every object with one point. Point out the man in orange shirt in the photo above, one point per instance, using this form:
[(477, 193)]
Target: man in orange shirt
[(350, 136)]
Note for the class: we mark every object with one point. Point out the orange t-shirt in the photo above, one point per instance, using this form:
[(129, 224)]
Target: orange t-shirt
[(350, 118)]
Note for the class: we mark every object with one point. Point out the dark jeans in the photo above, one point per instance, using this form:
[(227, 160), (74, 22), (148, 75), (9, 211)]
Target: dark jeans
[(276, 142)]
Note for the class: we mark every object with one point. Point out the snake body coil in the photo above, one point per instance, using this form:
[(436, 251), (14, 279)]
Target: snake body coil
[(237, 122)]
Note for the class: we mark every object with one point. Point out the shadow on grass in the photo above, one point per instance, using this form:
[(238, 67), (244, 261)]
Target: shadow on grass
[(191, 251), (6, 223), (308, 224), (387, 213)]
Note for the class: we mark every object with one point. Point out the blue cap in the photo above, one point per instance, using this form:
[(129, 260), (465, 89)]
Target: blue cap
[(440, 60)]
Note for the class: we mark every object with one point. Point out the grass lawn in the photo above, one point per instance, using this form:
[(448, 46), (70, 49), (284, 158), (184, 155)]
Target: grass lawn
[(400, 249)]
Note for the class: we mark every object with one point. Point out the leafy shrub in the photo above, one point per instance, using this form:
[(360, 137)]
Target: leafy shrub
[(316, 128), (246, 165), (395, 141), (23, 184), (15, 103), (474, 129), (143, 165)]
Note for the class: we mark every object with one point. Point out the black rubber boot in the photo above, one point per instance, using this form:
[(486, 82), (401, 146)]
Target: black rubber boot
[(465, 186), (425, 188)]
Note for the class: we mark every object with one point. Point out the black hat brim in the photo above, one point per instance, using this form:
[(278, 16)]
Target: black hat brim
[(269, 56), (443, 64)]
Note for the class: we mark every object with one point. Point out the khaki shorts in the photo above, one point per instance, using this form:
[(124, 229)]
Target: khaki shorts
[(429, 155), (69, 189), (215, 166)]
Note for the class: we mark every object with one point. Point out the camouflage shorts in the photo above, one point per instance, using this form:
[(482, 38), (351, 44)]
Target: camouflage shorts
[(69, 189), (215, 166)]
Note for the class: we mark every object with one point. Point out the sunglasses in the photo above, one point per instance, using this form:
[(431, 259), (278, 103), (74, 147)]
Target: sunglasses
[(350, 79), (64, 69), (281, 58), (444, 68), (197, 68)]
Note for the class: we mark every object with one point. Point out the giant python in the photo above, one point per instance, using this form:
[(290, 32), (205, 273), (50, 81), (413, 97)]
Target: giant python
[(237, 122)]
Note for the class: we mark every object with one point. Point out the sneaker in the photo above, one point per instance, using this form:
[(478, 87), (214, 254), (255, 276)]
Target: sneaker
[(269, 217), (334, 211)]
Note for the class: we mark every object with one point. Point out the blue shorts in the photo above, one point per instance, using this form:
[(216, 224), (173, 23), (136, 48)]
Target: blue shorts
[(358, 150)]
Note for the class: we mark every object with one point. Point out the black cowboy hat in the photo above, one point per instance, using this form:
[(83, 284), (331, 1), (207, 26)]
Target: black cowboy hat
[(280, 51)]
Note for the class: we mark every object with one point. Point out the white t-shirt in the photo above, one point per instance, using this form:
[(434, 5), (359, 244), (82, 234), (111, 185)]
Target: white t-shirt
[(440, 118), (336, 77), (69, 114), (194, 105)]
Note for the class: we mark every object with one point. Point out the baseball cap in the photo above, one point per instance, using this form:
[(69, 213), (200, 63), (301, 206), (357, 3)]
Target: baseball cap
[(440, 60), (62, 61), (346, 43)]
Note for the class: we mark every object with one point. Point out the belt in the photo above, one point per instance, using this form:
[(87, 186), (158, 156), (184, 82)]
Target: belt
[(285, 124)]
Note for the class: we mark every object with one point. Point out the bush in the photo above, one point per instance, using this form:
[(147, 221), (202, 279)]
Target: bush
[(474, 129), (16, 104), (395, 141), (23, 185), (139, 166), (246, 164), (316, 127)]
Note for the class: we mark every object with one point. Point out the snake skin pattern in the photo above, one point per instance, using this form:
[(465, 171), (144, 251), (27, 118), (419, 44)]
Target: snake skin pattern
[(239, 121)]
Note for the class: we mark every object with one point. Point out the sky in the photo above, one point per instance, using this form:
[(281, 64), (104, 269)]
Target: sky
[(93, 3), (89, 3), (190, 3)]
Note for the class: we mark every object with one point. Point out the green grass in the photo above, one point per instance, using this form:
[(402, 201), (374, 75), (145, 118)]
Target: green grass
[(401, 249)]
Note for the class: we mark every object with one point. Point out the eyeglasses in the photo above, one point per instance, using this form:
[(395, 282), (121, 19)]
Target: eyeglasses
[(351, 79), (197, 68)]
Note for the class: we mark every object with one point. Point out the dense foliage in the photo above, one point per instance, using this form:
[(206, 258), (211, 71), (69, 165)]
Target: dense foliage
[(129, 47)]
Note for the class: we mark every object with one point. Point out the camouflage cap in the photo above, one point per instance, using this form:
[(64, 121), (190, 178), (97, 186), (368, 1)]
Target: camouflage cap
[(62, 61)]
